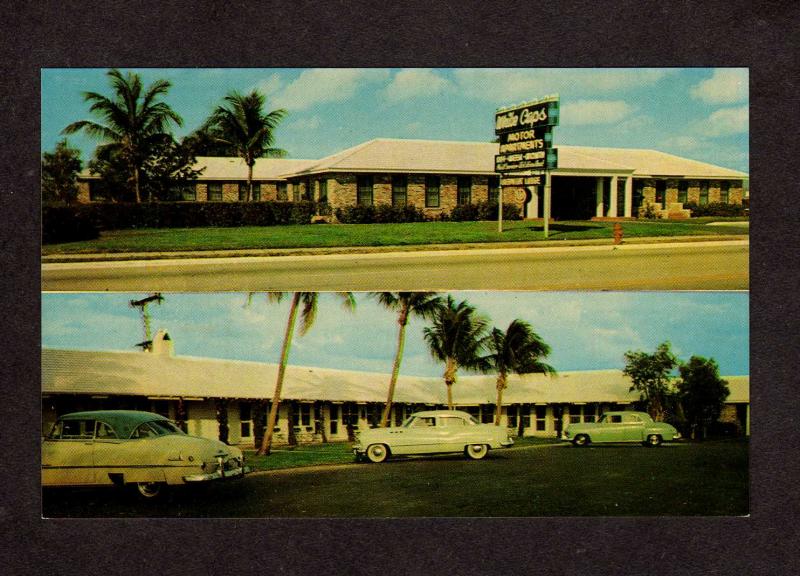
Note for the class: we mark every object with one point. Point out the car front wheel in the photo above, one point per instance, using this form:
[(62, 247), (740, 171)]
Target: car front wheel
[(150, 489), (476, 451), (377, 453), (581, 440), (653, 440)]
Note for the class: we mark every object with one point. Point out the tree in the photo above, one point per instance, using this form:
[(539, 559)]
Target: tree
[(702, 393), (60, 173), (650, 374), (132, 120), (241, 128), (406, 304), (455, 338), (308, 302), (518, 350), (167, 168)]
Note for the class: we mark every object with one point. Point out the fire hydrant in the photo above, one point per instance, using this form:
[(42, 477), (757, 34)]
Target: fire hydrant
[(617, 233)]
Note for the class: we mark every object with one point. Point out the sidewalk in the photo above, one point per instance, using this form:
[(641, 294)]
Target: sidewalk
[(124, 256)]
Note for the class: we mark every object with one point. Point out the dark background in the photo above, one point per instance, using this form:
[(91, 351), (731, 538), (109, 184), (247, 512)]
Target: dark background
[(760, 36)]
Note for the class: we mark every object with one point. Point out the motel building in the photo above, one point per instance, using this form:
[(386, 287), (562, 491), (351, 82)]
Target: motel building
[(224, 399), (435, 176)]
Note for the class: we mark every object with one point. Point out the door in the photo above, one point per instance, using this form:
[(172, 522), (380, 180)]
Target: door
[(68, 454)]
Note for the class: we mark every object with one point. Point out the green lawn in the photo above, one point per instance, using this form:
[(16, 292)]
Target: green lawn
[(678, 479), (332, 453), (337, 235)]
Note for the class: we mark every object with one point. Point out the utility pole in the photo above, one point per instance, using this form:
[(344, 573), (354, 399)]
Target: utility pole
[(142, 306)]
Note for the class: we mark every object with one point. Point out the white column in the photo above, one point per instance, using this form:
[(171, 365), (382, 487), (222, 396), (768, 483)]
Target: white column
[(533, 204), (547, 204), (612, 200), (599, 197), (628, 196)]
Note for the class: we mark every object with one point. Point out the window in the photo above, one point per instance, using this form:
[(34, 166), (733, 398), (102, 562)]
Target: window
[(494, 189), (334, 418), (451, 421), (305, 414), (724, 191), (487, 414), (399, 414), (364, 190), (104, 431), (96, 192), (243, 191), (215, 191), (283, 195), (464, 190), (512, 416), (661, 193), (323, 191), (399, 190), (683, 191), (703, 193), (432, 191), (541, 418), (295, 191), (73, 430), (245, 419)]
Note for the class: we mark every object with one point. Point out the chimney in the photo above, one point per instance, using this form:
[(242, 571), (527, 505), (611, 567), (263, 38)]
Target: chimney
[(162, 344)]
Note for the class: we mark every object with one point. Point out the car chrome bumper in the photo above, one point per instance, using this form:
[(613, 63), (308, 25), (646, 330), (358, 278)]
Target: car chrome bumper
[(507, 443), (218, 475)]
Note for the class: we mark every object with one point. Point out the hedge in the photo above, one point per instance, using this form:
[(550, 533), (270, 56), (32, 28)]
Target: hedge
[(715, 209), (123, 216), (484, 211), (65, 224), (381, 214)]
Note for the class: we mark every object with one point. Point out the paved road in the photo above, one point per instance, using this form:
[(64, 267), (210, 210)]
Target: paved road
[(718, 265)]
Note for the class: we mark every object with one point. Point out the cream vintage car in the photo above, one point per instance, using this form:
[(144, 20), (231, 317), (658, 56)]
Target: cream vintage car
[(431, 432), (125, 447)]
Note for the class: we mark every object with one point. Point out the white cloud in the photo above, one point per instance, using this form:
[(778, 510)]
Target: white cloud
[(727, 121), (681, 142), (312, 123), (322, 85), (415, 83), (270, 86), (506, 86), (585, 112), (726, 86)]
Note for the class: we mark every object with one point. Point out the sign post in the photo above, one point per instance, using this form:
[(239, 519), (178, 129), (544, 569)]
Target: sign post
[(525, 132)]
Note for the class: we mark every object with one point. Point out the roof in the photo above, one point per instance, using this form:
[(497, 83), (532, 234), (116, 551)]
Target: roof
[(412, 156), (383, 155), (145, 374), (224, 168), (124, 422)]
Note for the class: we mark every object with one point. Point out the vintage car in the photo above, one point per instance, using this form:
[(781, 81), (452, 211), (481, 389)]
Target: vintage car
[(125, 447), (431, 432), (626, 426)]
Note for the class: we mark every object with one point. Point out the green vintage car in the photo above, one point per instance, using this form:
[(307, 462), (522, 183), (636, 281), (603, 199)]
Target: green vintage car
[(431, 432), (623, 426), (126, 447)]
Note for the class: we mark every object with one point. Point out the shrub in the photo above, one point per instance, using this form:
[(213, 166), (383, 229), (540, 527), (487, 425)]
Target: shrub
[(121, 216), (648, 212), (66, 224), (386, 213), (484, 211), (356, 215), (715, 209)]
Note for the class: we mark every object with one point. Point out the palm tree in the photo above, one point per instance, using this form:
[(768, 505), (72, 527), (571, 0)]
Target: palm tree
[(406, 304), (518, 350), (455, 338), (131, 120), (308, 302), (242, 128)]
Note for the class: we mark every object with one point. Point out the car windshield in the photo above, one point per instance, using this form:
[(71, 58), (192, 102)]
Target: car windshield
[(156, 428)]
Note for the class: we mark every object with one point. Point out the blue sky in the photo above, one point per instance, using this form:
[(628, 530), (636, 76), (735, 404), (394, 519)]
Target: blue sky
[(700, 113), (586, 330)]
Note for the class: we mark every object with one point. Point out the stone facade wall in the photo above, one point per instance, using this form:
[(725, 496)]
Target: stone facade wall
[(83, 192)]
